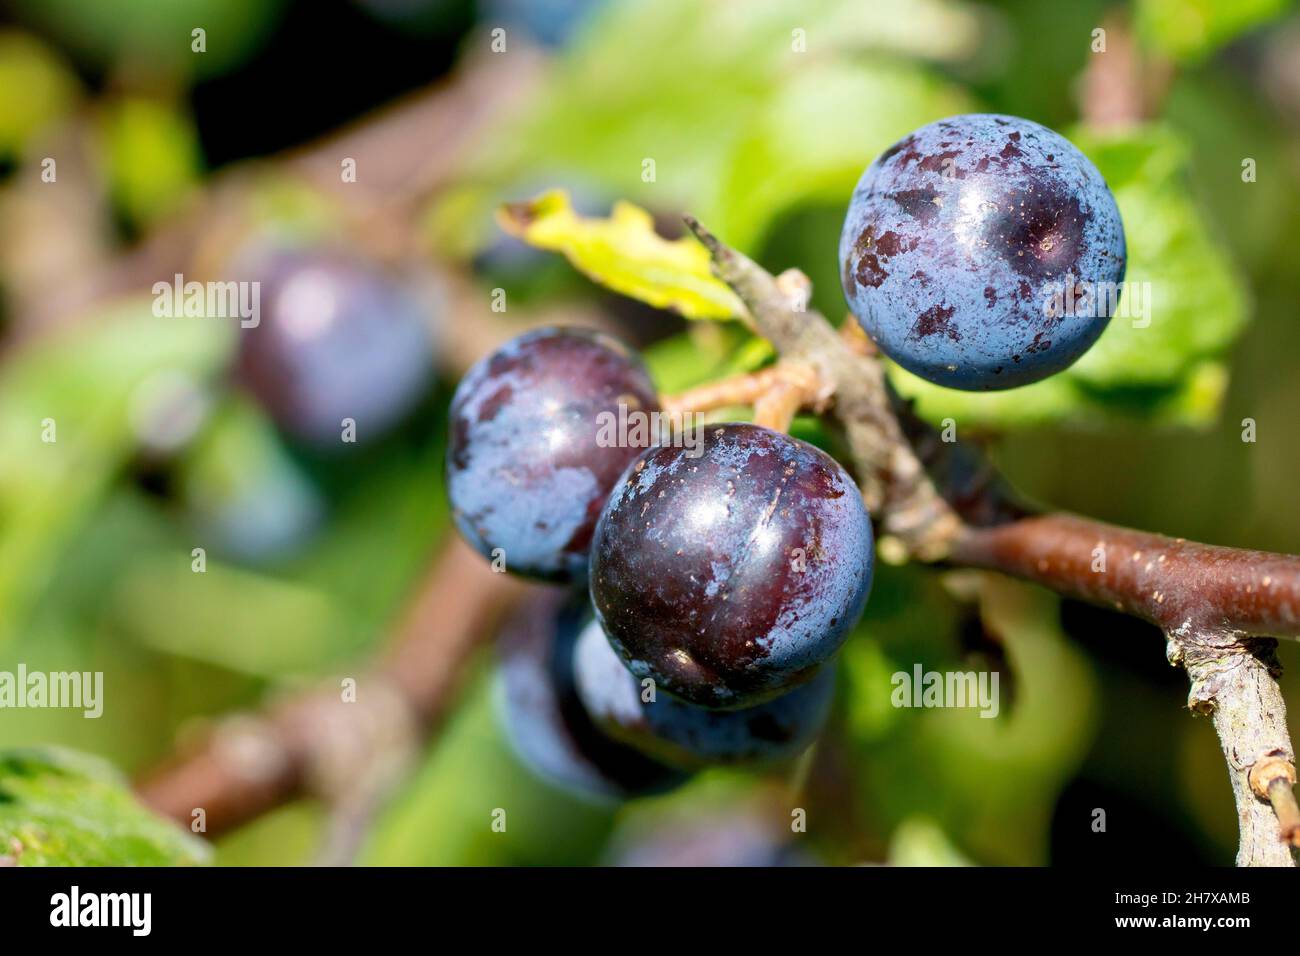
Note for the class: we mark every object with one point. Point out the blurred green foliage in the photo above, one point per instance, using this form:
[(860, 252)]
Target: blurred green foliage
[(1192, 29), (152, 37), (36, 88), (65, 433), (990, 783), (152, 158), (471, 774), (739, 100)]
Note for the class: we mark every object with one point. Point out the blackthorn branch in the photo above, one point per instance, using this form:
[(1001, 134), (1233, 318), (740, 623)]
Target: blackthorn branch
[(1220, 607)]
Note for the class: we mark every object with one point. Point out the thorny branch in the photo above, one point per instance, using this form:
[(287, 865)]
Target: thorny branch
[(939, 503)]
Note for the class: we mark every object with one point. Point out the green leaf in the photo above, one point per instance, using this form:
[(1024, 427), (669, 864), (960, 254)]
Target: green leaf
[(444, 817), (251, 623), (1198, 302), (704, 353), (614, 103), (625, 254), (1160, 359), (821, 128), (291, 835), (1190, 30), (61, 808)]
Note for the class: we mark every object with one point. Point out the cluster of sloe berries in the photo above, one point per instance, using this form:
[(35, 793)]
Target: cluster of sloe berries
[(722, 575)]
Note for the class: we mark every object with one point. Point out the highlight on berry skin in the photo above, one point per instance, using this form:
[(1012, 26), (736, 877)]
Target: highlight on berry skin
[(732, 577), (710, 578)]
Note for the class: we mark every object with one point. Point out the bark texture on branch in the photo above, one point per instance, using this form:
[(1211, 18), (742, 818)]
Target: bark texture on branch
[(1234, 681), (1171, 582), (1208, 599)]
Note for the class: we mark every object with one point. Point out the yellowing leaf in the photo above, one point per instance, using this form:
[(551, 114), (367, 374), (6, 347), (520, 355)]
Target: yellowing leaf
[(625, 254)]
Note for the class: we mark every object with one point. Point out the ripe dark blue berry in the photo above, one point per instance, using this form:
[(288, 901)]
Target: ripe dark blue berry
[(731, 572), (983, 252), (529, 464), (684, 735), (546, 723), (335, 340)]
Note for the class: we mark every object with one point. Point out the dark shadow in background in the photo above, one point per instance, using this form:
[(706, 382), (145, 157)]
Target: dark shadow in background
[(327, 63), (1142, 708)]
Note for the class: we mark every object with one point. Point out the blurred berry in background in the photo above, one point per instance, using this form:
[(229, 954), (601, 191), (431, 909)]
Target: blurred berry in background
[(338, 346)]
